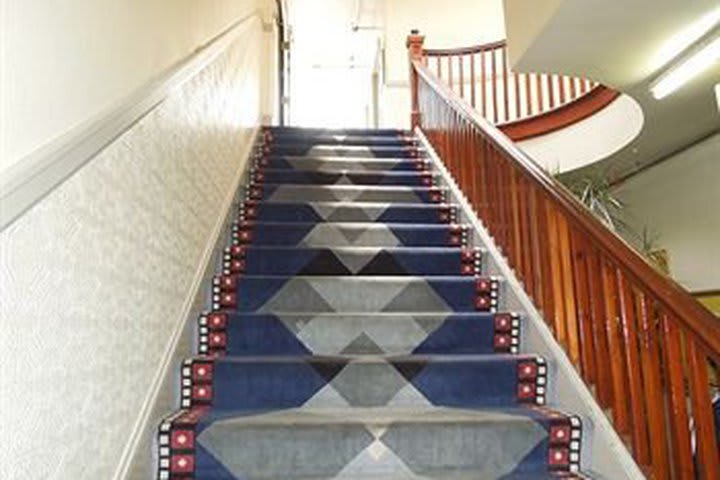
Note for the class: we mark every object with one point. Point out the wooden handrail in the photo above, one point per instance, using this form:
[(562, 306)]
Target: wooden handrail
[(643, 342), (524, 104), (441, 52)]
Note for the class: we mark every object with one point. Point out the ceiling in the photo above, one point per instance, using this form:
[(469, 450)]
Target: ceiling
[(618, 44)]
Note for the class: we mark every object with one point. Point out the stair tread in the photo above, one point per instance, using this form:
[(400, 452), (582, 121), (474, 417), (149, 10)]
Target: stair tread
[(305, 415), (374, 358)]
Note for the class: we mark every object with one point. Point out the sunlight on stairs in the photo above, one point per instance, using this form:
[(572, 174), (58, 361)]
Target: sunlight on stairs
[(353, 334)]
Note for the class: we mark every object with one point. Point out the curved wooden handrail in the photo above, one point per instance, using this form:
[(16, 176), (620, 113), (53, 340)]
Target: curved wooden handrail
[(525, 104), (569, 114), (644, 343), (442, 52)]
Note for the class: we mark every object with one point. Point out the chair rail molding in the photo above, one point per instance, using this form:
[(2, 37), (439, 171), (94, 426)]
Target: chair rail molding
[(35, 176)]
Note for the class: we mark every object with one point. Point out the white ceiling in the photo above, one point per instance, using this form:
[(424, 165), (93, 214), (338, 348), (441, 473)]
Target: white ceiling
[(617, 43)]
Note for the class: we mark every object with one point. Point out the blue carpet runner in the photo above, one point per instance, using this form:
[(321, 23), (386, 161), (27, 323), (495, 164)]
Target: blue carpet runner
[(354, 336)]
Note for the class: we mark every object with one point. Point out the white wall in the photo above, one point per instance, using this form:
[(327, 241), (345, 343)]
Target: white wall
[(680, 200), (447, 24), (65, 61), (589, 140), (95, 278)]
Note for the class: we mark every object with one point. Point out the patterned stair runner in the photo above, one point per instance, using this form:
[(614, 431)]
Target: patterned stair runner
[(353, 333)]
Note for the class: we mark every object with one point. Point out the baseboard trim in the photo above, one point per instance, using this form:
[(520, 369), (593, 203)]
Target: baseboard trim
[(196, 293), (36, 175)]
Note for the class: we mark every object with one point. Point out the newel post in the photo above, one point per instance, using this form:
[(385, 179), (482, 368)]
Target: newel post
[(414, 45)]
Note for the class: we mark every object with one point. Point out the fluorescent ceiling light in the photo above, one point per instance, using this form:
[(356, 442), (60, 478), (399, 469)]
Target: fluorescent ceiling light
[(684, 71), (686, 37)]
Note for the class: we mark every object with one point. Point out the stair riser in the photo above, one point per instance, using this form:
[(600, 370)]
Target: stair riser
[(257, 335), (320, 163), (310, 193), (363, 132), (348, 235), (356, 294), (343, 213), (362, 261), (332, 382), (300, 177), (342, 151), (341, 140)]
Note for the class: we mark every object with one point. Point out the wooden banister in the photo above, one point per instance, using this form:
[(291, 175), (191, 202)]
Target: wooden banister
[(642, 341), (523, 108)]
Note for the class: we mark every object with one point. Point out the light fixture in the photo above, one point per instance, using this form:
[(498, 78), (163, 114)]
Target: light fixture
[(686, 69), (686, 37)]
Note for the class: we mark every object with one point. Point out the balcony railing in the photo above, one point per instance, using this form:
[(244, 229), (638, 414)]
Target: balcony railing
[(523, 105), (642, 343)]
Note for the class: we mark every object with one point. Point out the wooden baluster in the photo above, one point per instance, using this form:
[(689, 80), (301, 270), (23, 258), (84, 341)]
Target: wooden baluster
[(570, 309), (561, 88), (550, 83), (653, 390), (537, 259), (632, 358), (526, 244), (483, 82), (507, 203), (474, 171), (450, 71), (515, 215), (544, 225), (461, 66), (488, 186), (494, 85), (528, 96), (439, 67), (583, 86), (472, 80), (462, 153), (677, 400), (506, 90), (603, 382), (573, 88), (587, 343), (500, 184), (615, 350), (557, 281), (516, 81), (703, 415), (540, 98)]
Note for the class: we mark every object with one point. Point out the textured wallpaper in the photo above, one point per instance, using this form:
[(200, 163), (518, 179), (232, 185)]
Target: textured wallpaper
[(93, 278)]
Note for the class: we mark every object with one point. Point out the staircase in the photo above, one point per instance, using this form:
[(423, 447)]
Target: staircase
[(354, 335)]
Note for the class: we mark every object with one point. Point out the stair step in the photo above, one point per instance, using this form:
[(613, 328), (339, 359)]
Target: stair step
[(371, 132), (327, 162), (324, 139), (312, 212), (274, 294), (261, 260), (238, 334), (398, 443), (274, 382), (351, 234), (339, 177), (278, 192), (354, 151)]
